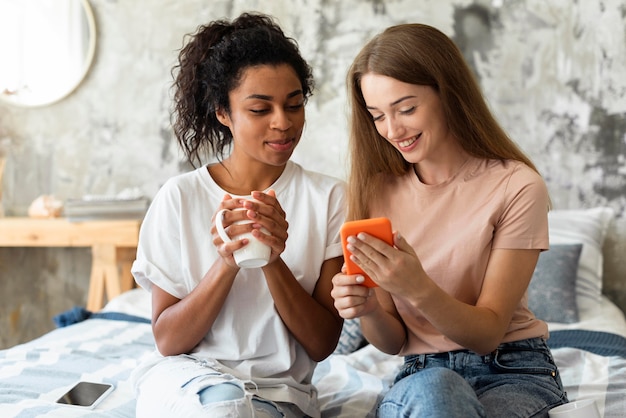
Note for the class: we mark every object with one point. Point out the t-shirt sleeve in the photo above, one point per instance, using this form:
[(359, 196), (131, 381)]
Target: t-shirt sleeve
[(159, 250), (336, 217), (524, 220)]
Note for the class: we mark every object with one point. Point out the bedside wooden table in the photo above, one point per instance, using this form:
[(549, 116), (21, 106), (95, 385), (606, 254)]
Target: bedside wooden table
[(113, 246)]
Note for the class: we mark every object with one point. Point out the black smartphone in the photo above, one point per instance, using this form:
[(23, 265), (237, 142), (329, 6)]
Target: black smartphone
[(86, 394)]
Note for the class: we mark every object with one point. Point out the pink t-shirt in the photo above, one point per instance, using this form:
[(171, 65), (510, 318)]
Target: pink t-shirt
[(453, 226)]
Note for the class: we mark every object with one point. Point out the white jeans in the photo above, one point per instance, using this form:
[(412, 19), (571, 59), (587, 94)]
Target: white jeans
[(170, 389)]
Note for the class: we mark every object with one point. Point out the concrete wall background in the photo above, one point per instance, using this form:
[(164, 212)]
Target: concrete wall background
[(554, 73)]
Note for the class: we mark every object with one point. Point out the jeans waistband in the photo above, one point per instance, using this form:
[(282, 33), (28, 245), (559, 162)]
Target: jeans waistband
[(528, 344)]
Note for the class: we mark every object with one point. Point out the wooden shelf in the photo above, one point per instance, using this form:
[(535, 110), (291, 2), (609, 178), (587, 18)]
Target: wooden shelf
[(113, 244)]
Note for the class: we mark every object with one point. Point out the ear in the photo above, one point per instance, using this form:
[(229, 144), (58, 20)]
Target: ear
[(223, 117)]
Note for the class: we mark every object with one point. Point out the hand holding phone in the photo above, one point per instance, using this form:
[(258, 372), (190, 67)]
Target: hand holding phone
[(376, 227)]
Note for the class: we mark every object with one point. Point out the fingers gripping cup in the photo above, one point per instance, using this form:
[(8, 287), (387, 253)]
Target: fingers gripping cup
[(254, 254)]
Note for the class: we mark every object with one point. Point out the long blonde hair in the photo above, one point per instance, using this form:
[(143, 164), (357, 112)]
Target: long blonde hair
[(422, 55)]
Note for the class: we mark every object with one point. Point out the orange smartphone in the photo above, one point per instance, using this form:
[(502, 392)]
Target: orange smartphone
[(376, 227)]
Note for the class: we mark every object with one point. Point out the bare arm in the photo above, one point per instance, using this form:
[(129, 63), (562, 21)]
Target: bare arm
[(480, 327), (180, 324), (312, 319)]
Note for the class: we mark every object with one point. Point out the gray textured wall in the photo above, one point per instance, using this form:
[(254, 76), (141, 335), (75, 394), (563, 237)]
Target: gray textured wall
[(554, 73)]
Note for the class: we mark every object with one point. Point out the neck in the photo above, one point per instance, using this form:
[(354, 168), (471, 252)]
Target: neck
[(242, 179), (437, 172)]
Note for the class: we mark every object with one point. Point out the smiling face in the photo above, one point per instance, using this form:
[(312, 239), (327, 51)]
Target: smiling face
[(409, 116), (266, 115)]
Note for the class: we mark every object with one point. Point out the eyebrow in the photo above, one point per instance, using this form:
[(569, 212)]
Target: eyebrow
[(266, 97), (401, 99)]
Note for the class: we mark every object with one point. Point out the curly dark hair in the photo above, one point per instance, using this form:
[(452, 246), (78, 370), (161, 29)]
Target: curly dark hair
[(211, 64)]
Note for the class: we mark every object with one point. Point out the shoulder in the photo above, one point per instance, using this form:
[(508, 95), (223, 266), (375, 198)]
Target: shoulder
[(184, 189), (522, 177), (313, 195), (185, 179), (521, 170), (514, 182), (512, 174), (526, 191), (183, 182), (315, 180), (503, 168)]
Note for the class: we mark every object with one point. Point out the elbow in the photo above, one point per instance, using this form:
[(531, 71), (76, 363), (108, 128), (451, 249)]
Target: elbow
[(170, 346), (167, 349), (321, 356), (392, 350), (486, 346), (319, 352), (483, 351), (391, 344)]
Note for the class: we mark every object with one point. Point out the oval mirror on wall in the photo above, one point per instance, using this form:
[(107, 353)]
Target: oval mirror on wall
[(47, 47)]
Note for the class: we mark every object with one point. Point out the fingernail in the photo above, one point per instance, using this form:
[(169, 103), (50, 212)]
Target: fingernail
[(351, 239), (360, 279)]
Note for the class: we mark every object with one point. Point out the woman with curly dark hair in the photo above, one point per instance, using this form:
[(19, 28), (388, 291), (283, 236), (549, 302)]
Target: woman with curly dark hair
[(235, 341)]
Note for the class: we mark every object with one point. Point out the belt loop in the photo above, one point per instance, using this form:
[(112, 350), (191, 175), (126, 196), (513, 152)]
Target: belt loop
[(421, 361), (489, 357)]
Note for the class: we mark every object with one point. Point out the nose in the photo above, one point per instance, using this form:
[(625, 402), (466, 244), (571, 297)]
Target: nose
[(280, 120), (395, 130)]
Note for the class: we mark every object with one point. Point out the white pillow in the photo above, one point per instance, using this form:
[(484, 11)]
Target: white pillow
[(588, 227)]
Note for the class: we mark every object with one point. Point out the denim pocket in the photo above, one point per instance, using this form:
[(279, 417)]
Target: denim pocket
[(524, 361)]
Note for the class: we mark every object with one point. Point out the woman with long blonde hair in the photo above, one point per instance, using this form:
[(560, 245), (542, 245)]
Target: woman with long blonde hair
[(469, 213)]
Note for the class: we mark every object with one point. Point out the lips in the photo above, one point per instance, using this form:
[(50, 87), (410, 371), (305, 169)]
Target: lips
[(281, 145)]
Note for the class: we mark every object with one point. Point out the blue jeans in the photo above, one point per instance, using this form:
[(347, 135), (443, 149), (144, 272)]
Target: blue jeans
[(224, 392), (519, 379)]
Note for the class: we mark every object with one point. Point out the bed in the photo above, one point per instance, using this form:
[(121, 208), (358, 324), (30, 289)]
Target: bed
[(587, 336)]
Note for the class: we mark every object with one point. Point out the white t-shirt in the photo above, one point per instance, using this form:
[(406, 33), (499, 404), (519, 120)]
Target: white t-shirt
[(248, 337)]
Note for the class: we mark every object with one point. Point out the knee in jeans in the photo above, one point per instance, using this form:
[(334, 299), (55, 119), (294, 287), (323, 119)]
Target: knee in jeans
[(433, 392), (426, 383), (440, 378), (220, 392), (437, 378)]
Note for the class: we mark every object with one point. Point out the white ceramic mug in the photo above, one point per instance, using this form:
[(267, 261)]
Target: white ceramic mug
[(585, 408), (254, 254)]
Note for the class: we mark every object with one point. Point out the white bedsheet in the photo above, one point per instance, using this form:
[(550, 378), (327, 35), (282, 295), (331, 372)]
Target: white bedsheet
[(34, 374), (351, 385)]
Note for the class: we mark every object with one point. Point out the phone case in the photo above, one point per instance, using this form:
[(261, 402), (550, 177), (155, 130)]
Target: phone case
[(376, 227)]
